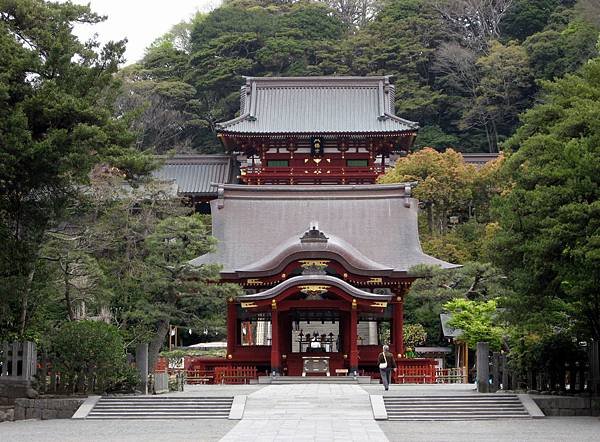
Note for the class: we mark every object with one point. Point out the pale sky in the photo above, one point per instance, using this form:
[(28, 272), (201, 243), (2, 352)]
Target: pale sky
[(140, 21)]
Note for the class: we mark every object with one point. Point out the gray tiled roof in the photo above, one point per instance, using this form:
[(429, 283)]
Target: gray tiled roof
[(317, 105), (253, 222), (193, 174), (314, 279), (447, 329), (479, 159)]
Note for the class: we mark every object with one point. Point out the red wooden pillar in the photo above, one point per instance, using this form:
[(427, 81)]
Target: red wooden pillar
[(231, 327), (398, 325), (275, 335), (353, 330)]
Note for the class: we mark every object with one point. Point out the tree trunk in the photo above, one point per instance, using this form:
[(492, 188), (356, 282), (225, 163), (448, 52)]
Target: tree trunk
[(25, 301), (430, 217), (162, 328), (68, 301)]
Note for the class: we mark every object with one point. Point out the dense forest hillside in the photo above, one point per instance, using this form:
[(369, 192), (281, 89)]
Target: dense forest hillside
[(465, 69)]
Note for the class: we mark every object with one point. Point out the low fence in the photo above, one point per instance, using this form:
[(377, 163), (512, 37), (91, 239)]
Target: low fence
[(235, 375), (416, 371), (494, 372), (451, 375)]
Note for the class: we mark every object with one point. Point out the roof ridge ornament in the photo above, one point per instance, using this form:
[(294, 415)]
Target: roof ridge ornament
[(313, 234)]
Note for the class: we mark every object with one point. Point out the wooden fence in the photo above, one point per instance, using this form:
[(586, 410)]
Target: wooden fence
[(416, 374), (573, 377), (450, 375), (235, 375)]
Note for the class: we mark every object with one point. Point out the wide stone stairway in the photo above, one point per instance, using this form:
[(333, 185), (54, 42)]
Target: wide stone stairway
[(160, 407), (454, 407)]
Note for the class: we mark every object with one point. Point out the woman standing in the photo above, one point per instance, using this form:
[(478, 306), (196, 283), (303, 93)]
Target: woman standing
[(387, 363)]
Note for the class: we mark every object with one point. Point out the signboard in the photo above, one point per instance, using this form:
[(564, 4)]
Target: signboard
[(316, 147)]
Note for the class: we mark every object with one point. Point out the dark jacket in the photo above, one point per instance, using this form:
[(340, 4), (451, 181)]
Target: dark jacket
[(391, 362)]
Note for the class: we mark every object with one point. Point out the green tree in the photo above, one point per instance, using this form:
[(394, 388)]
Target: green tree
[(55, 123), (90, 356), (477, 320), (435, 287), (177, 290), (548, 240), (444, 183), (566, 43)]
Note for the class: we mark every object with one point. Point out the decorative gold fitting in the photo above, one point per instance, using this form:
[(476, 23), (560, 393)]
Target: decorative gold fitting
[(354, 304), (229, 356), (345, 356), (283, 356), (304, 263), (273, 305), (283, 275), (313, 289)]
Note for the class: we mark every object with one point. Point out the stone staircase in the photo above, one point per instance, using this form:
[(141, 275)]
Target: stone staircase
[(457, 407), (161, 407)]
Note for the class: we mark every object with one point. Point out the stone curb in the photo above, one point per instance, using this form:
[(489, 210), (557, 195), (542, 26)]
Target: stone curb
[(237, 407), (532, 408), (85, 408), (378, 407)]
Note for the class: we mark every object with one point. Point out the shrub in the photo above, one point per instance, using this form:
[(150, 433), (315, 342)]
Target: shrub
[(90, 357)]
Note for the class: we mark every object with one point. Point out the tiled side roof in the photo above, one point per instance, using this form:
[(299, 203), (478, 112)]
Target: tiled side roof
[(317, 105), (194, 174), (479, 159)]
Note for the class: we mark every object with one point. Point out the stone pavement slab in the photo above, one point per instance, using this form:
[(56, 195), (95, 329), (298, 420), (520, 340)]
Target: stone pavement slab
[(307, 412), (550, 429), (78, 430)]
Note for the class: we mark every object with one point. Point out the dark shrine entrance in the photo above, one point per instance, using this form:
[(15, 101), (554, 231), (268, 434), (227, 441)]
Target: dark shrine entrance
[(316, 338)]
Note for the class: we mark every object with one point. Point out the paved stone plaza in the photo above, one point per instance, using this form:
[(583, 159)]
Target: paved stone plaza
[(305, 412)]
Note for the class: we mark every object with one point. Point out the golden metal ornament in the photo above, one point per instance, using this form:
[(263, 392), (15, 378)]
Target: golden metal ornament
[(314, 290), (313, 262), (379, 304)]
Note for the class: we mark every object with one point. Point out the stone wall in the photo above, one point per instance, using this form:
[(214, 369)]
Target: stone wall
[(46, 408), (568, 405), (11, 389)]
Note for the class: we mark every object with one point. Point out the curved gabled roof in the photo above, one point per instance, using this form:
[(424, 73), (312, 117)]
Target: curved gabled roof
[(315, 279), (297, 248)]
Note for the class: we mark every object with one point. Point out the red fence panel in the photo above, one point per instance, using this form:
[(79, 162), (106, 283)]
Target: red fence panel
[(235, 375)]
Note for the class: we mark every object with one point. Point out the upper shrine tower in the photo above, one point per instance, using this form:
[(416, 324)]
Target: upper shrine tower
[(316, 130)]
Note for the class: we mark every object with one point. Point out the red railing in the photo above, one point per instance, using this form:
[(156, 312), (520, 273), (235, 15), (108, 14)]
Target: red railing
[(195, 377), (235, 375), (415, 371), (325, 173)]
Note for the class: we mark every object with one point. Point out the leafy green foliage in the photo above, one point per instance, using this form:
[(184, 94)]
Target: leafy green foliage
[(56, 122), (414, 334), (548, 239), (91, 354), (444, 183), (436, 287), (477, 321)]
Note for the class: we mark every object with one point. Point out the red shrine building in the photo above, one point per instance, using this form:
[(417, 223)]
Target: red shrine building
[(323, 254)]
